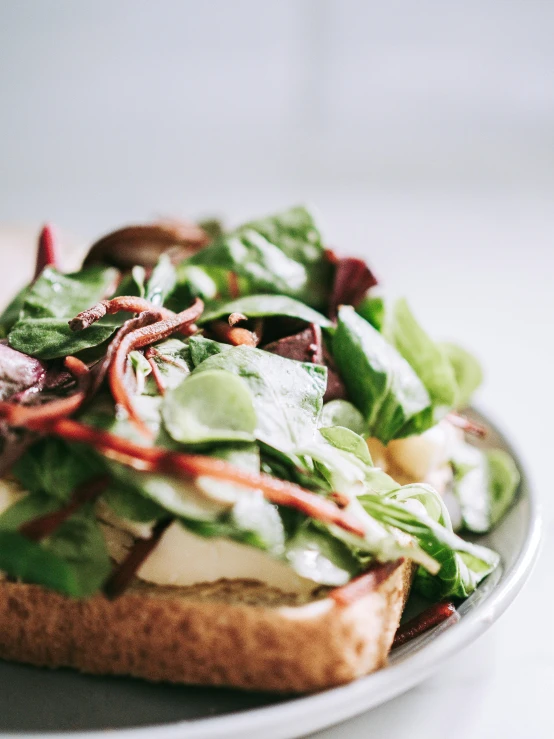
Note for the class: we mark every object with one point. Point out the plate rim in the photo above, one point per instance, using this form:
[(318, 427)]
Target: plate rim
[(313, 712)]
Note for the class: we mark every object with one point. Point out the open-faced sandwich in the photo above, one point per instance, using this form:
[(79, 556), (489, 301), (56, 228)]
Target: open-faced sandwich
[(226, 459)]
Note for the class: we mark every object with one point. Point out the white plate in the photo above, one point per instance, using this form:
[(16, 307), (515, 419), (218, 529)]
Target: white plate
[(65, 704)]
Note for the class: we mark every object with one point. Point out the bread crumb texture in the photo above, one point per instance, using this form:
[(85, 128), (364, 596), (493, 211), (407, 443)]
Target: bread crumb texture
[(230, 633)]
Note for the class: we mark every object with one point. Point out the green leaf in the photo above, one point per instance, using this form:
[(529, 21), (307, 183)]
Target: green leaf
[(288, 395), (348, 441), (318, 556), (280, 254), (179, 496), (141, 368), (51, 338), (162, 281), (372, 308), (174, 363), (379, 380), (427, 358), (56, 468), (54, 295), (54, 299), (101, 414), (258, 306), (343, 413), (128, 503), (467, 371), (73, 560), (28, 561), (462, 564), (196, 282), (202, 348), (503, 482), (485, 483), (138, 276), (212, 226), (11, 312), (80, 543), (208, 407)]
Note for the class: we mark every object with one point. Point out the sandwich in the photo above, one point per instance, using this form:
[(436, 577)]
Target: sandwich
[(226, 458)]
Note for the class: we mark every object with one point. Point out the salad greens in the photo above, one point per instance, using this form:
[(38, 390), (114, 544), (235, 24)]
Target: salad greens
[(381, 383), (287, 395), (485, 482), (281, 254), (256, 410), (262, 306), (42, 327)]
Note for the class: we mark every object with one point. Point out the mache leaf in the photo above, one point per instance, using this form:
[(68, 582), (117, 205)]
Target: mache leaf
[(380, 382), (210, 407), (287, 395)]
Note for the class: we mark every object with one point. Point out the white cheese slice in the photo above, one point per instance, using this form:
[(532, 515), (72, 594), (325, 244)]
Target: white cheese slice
[(182, 558)]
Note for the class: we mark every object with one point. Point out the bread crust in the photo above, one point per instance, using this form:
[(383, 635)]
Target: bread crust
[(230, 633)]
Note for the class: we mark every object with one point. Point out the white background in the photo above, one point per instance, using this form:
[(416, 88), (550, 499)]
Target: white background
[(423, 132)]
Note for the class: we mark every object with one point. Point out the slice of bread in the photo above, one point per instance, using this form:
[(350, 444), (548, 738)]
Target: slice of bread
[(240, 634)]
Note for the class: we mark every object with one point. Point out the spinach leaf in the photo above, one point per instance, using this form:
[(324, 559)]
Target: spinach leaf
[(162, 281), (80, 543), (257, 306), (467, 371), (280, 254), (287, 395), (11, 312), (427, 358), (208, 407), (73, 560), (28, 561), (202, 348), (55, 468), (128, 503), (207, 283), (53, 299), (379, 380), (342, 413), (54, 295)]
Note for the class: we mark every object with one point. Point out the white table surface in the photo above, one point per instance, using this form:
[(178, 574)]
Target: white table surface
[(479, 268)]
